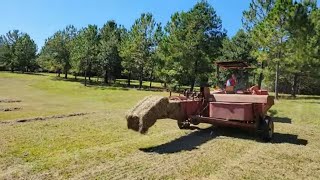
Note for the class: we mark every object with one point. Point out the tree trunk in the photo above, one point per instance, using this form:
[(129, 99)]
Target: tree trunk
[(89, 72), (66, 74), (140, 81), (150, 79), (129, 78), (217, 76), (294, 85), (85, 73), (85, 77), (59, 72), (106, 77), (89, 75), (165, 85), (260, 76), (192, 84), (75, 77), (141, 78), (276, 86), (12, 68), (194, 75)]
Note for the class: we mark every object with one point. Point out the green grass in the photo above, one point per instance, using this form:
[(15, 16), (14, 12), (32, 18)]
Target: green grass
[(99, 145)]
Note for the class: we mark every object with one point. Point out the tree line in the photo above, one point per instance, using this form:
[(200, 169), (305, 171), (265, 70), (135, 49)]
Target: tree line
[(279, 37)]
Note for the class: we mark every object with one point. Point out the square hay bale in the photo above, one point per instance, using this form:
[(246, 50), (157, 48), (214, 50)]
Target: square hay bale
[(145, 114)]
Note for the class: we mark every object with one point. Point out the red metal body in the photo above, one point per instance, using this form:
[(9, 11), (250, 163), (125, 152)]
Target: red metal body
[(237, 110), (231, 111), (191, 107), (245, 110)]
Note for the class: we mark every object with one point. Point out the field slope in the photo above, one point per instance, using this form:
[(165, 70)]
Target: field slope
[(56, 129)]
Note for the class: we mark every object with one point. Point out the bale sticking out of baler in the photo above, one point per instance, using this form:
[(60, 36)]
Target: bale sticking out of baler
[(145, 114)]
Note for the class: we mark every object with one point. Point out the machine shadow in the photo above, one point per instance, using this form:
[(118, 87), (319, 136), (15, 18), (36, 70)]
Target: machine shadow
[(196, 138), (185, 143), (288, 138), (282, 120)]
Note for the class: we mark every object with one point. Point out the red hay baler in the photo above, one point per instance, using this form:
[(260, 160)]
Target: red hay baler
[(245, 110)]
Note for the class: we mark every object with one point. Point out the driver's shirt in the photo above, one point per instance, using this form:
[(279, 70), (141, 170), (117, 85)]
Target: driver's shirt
[(231, 82)]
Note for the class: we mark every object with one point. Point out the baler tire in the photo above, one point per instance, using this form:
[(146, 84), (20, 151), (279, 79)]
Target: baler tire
[(267, 128), (183, 125), (195, 122)]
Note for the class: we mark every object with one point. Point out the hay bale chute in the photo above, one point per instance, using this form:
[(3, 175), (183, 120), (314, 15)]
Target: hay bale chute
[(145, 114)]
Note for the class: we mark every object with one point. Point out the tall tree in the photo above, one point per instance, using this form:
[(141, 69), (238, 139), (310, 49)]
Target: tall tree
[(298, 58), (126, 48), (257, 12), (137, 48), (8, 43), (25, 50), (109, 50), (155, 59), (57, 49), (193, 42), (85, 50), (271, 35), (239, 47), (252, 20)]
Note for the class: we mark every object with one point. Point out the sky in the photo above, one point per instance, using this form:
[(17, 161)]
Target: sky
[(41, 18)]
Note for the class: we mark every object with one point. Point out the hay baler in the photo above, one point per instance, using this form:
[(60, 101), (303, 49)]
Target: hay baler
[(245, 110), (231, 110)]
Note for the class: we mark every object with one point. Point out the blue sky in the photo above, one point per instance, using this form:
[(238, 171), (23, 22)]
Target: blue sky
[(41, 18)]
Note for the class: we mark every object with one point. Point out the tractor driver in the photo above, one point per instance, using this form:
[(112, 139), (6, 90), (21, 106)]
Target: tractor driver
[(232, 81)]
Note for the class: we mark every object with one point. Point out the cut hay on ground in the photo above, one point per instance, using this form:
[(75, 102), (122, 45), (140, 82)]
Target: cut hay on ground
[(9, 109), (45, 118), (144, 115), (9, 100)]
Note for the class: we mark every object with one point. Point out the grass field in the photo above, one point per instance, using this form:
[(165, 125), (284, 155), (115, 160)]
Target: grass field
[(98, 145)]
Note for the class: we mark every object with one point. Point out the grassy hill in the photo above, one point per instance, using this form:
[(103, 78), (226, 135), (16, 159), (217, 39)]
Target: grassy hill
[(61, 129)]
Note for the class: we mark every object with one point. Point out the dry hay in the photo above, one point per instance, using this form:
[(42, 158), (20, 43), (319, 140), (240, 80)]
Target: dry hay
[(44, 118), (145, 114), (9, 100), (9, 109)]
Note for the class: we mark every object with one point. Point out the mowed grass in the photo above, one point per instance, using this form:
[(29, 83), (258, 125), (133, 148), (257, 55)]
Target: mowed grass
[(99, 145)]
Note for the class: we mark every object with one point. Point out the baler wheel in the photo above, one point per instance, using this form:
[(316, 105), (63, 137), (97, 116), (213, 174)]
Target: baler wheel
[(183, 124), (267, 129)]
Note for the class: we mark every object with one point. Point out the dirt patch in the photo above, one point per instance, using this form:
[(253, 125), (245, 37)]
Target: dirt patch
[(10, 109), (9, 100), (45, 118), (145, 114)]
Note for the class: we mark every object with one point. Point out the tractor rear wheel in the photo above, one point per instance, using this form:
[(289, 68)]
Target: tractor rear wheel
[(267, 129), (183, 124)]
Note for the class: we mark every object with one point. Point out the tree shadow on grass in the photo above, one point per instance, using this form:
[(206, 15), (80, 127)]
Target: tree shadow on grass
[(111, 86), (302, 97), (196, 138), (31, 73)]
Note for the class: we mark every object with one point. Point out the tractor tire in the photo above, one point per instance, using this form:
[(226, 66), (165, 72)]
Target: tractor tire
[(194, 122), (266, 129), (183, 124)]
